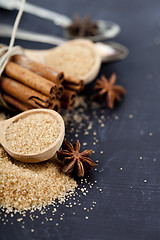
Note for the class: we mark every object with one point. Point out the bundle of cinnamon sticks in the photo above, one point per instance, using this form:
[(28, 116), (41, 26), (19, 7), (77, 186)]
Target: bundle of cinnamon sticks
[(26, 84)]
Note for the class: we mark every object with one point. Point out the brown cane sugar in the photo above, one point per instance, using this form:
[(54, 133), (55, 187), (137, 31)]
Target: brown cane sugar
[(33, 133), (76, 59), (25, 186)]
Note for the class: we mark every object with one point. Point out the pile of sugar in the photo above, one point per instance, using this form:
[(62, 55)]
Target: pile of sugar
[(75, 60), (77, 121), (32, 186), (32, 133)]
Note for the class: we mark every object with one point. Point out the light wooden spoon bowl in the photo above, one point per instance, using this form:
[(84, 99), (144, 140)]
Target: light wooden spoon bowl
[(46, 153), (46, 57)]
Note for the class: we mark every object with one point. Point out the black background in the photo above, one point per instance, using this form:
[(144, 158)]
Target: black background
[(129, 207)]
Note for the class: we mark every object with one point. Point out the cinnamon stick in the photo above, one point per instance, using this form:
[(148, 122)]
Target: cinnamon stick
[(60, 90), (15, 103), (55, 106), (72, 80), (23, 93), (40, 69), (30, 79), (68, 99), (73, 87), (76, 85)]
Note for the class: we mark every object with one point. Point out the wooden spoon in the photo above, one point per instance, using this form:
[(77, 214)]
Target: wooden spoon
[(102, 53), (47, 56), (46, 153)]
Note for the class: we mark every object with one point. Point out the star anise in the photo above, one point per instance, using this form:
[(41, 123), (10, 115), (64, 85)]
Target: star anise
[(83, 27), (108, 90), (74, 161)]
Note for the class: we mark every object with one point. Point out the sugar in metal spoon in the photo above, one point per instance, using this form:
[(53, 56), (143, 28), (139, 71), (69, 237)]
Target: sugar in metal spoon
[(46, 153), (106, 29)]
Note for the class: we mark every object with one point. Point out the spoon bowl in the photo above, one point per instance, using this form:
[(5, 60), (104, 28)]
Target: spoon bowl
[(106, 30), (46, 153), (47, 57)]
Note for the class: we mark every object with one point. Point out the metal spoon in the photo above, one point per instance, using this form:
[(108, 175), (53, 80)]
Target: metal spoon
[(34, 157), (107, 29)]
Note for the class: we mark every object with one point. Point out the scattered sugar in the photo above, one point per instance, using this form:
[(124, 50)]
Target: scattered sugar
[(130, 116), (80, 122), (84, 144), (19, 219), (31, 186)]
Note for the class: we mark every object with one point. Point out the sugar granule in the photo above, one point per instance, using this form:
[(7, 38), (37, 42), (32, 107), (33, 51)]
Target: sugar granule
[(32, 186), (75, 60), (32, 133)]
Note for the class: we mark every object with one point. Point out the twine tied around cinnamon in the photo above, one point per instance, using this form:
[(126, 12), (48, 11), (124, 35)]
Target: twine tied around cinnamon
[(8, 51)]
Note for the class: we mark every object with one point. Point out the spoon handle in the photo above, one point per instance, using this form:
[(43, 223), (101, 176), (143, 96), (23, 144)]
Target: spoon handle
[(58, 19), (6, 30)]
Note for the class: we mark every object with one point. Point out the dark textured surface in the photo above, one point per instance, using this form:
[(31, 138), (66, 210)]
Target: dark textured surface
[(129, 208)]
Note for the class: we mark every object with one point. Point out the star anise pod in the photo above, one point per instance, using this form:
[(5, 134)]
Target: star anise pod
[(108, 90), (74, 161), (83, 27)]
